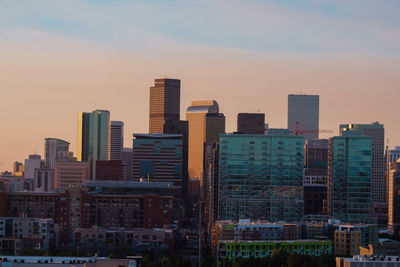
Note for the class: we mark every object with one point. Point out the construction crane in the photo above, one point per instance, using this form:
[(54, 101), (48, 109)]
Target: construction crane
[(298, 132)]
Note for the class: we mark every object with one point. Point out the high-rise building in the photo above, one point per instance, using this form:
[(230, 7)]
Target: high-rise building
[(43, 180), (116, 141), (127, 158), (18, 168), (349, 178), (71, 173), (52, 149), (260, 177), (304, 111), (33, 162), (165, 97), (205, 126), (251, 123), (210, 183), (315, 175), (93, 130), (158, 158), (164, 117), (393, 155), (377, 132), (394, 198)]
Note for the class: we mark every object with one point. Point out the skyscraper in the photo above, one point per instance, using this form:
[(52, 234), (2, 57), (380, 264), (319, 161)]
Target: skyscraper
[(164, 117), (304, 110), (349, 178), (158, 158), (93, 130), (164, 104), (394, 198), (376, 131), (116, 141), (205, 125), (251, 123), (53, 148), (260, 177)]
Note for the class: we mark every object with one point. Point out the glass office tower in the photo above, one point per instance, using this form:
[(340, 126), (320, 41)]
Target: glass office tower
[(93, 131), (349, 178), (52, 147), (377, 132), (260, 177)]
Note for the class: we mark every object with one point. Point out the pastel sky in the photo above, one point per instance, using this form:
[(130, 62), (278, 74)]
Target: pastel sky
[(61, 57)]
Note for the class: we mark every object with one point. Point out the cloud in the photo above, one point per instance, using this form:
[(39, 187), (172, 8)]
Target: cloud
[(266, 26)]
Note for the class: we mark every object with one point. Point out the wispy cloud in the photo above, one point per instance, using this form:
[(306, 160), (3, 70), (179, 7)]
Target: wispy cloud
[(312, 26)]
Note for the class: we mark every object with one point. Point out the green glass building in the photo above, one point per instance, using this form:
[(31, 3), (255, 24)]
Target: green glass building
[(349, 178), (376, 131), (260, 177), (229, 250), (93, 131)]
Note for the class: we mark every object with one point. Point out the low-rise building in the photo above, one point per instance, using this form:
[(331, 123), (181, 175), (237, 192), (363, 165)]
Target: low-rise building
[(368, 261), (120, 238), (346, 242), (71, 173), (229, 250), (34, 233), (50, 261)]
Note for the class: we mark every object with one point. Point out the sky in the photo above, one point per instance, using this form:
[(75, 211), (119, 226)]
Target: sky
[(58, 58)]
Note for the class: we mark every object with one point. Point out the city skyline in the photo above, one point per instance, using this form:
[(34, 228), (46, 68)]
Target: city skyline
[(128, 137), (59, 54)]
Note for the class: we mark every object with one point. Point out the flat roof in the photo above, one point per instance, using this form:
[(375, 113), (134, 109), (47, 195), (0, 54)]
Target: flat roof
[(274, 241), (157, 135), (128, 184)]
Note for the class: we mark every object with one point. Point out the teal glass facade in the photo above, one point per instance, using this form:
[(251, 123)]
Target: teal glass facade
[(349, 178), (260, 177), (93, 131)]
